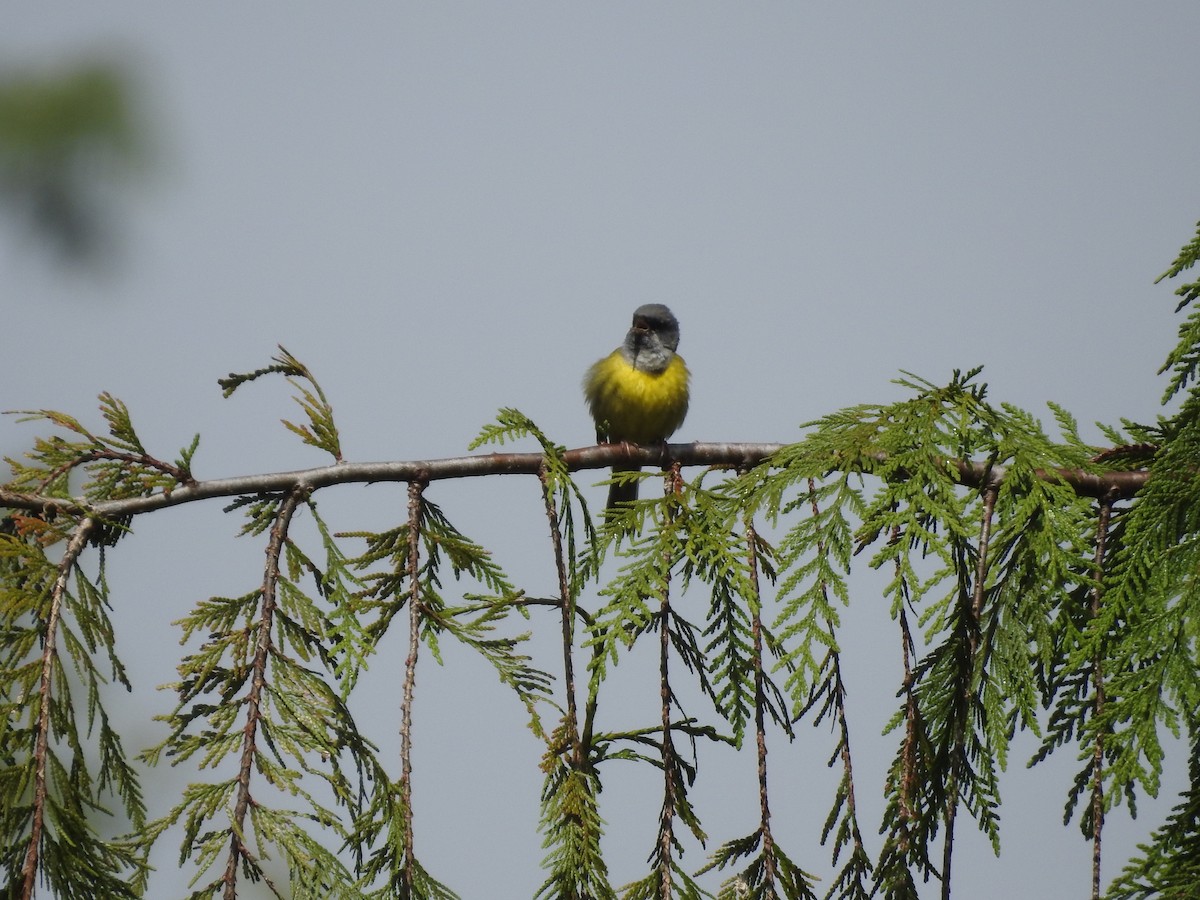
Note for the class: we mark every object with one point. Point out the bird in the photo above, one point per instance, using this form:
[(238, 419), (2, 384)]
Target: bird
[(638, 394)]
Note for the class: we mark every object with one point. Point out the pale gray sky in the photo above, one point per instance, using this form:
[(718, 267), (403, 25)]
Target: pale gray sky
[(448, 208)]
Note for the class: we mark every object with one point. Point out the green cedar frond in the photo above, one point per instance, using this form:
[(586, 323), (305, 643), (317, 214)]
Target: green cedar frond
[(388, 867), (1187, 258), (304, 731), (386, 594), (83, 761), (828, 698), (442, 545), (345, 638), (283, 364), (1146, 629), (572, 828), (314, 871), (1038, 553), (426, 887), (1168, 865), (853, 881), (184, 462), (814, 556), (320, 430), (645, 743), (679, 776), (768, 875), (692, 534), (650, 887), (476, 630), (1184, 359), (465, 556), (627, 613), (117, 465), (715, 555), (562, 492), (120, 426), (512, 425)]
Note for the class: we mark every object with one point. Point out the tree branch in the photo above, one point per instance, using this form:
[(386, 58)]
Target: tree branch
[(1114, 485)]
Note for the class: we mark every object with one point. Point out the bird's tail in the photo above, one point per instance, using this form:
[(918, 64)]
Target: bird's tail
[(623, 491)]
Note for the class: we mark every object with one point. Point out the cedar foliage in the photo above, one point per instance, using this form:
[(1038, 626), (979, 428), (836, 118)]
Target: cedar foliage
[(1022, 602)]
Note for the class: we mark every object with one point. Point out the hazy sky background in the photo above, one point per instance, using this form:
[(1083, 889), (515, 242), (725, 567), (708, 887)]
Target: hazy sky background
[(448, 208)]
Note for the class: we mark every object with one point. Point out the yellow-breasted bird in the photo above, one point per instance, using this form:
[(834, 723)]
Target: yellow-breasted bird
[(639, 392)]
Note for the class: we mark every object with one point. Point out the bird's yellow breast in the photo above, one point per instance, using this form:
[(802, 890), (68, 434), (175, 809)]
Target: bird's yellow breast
[(631, 405)]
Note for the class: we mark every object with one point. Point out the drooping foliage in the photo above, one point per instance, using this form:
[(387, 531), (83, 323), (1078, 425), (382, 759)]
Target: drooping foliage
[(1036, 586)]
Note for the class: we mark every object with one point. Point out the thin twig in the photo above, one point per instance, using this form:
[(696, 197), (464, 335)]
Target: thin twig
[(42, 746), (908, 780), (415, 611), (667, 822), (908, 775), (990, 495), (760, 707), (566, 605), (666, 832), (1098, 707), (258, 680)]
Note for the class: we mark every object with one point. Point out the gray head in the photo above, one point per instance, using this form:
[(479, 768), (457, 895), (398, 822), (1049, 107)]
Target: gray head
[(653, 338), (657, 319)]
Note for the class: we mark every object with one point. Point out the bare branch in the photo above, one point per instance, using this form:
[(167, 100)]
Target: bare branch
[(1115, 485)]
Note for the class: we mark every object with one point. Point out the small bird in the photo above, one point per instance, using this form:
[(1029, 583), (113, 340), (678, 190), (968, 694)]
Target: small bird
[(638, 394)]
